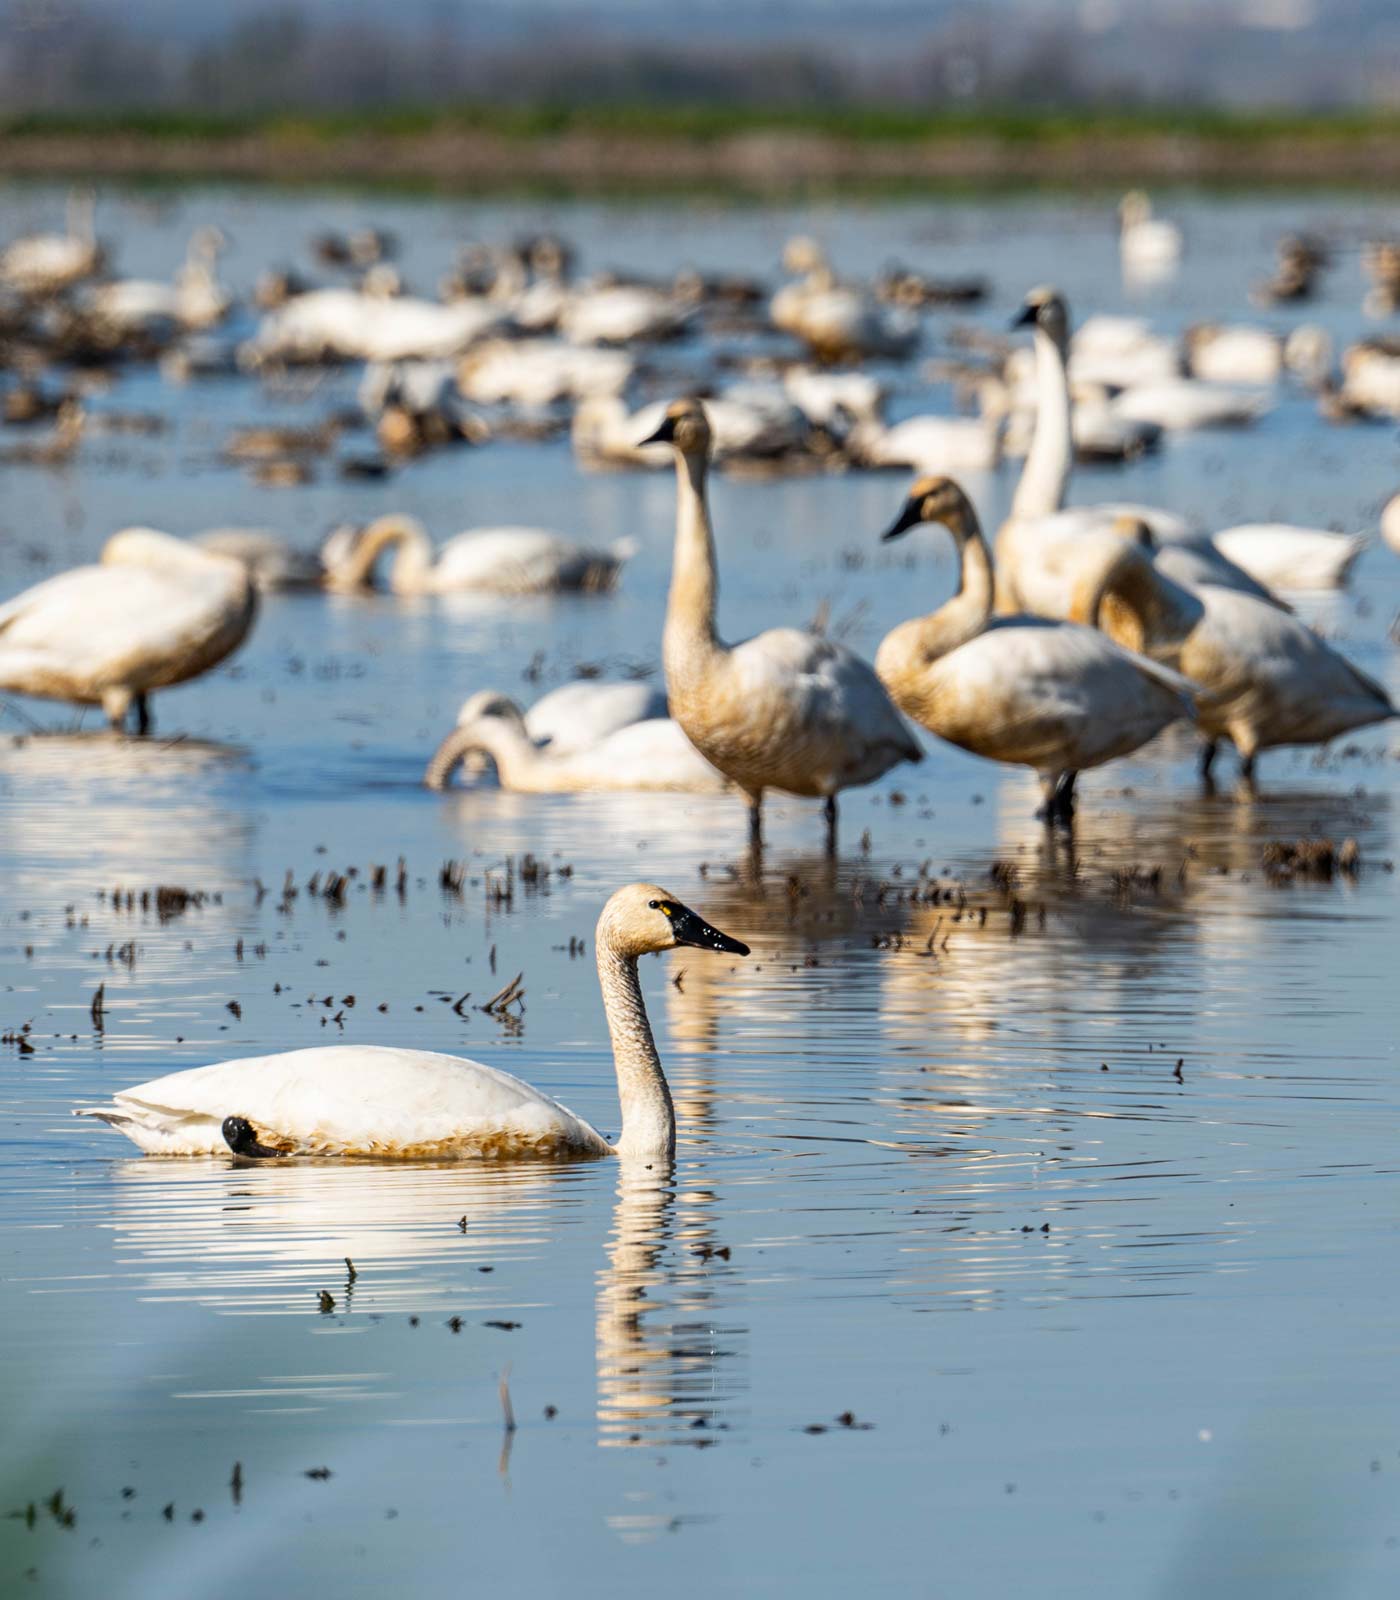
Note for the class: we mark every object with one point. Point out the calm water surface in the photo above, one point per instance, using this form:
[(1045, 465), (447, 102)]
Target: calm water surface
[(1099, 1327)]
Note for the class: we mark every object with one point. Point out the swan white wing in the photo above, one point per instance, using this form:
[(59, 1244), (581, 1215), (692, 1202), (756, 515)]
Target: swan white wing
[(935, 444), (576, 716), (654, 754), (1282, 556), (108, 625), (1185, 403), (517, 561), (830, 711), (352, 1099)]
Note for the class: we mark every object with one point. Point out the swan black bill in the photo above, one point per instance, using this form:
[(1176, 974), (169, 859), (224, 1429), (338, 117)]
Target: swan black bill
[(665, 433), (1026, 316), (911, 516), (694, 930), (241, 1137)]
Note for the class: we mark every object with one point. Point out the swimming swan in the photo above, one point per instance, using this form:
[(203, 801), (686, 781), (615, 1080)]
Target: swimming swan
[(1262, 678), (653, 754), (576, 716), (1049, 695), (366, 1100), (784, 710), (155, 612), (505, 561)]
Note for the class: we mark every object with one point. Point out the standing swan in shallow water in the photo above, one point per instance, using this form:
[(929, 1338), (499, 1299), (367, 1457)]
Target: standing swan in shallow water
[(155, 612), (1049, 695), (784, 710), (366, 1100)]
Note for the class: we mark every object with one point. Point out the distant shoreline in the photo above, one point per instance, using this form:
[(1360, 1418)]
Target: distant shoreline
[(646, 149)]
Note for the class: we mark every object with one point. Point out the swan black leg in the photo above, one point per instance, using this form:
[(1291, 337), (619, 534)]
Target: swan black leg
[(829, 812), (1209, 750), (756, 822), (142, 705)]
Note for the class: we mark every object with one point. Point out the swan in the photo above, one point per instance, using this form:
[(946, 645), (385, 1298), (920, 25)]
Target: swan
[(828, 399), (1181, 405), (44, 263), (784, 710), (369, 1100), (155, 612), (1053, 696), (1261, 678), (538, 372), (575, 716), (1148, 247), (1234, 353), (621, 314), (837, 322), (927, 444), (194, 300), (349, 324), (506, 561), (1039, 519), (1371, 377), (1281, 556), (272, 562), (654, 754)]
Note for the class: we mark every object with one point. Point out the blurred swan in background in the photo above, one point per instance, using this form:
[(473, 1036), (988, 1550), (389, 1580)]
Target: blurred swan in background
[(784, 710), (649, 754), (837, 322), (1052, 696), (367, 1100), (156, 611), (44, 263), (505, 561), (1149, 247)]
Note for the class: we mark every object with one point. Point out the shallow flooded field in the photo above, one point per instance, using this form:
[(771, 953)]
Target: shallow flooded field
[(1034, 1218)]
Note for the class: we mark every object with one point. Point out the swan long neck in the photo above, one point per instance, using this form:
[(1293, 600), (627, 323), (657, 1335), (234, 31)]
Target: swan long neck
[(504, 739), (1137, 606), (412, 564), (648, 1116), (1045, 476), (689, 642)]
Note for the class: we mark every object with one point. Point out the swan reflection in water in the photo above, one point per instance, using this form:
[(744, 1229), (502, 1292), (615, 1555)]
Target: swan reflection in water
[(152, 811), (266, 1239)]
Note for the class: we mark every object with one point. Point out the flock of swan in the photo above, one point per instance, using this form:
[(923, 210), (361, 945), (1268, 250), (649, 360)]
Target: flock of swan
[(1076, 635)]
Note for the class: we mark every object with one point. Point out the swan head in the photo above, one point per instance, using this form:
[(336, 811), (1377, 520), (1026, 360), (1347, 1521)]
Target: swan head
[(1134, 208), (934, 499), (642, 917), (802, 254), (1045, 308), (684, 425), (1133, 530)]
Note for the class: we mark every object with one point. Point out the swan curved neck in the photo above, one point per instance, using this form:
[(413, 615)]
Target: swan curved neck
[(689, 639), (648, 1116), (517, 758), (1045, 476), (412, 564), (924, 640)]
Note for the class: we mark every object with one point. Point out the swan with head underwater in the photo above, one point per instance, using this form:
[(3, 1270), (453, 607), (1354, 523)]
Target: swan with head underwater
[(786, 709), (372, 1101), (1053, 696)]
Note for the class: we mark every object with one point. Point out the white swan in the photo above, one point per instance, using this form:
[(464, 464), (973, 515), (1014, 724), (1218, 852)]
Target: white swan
[(1181, 405), (1041, 532), (325, 324), (575, 716), (652, 754), (784, 710), (835, 321), (1262, 679), (830, 399), (927, 444), (272, 562), (537, 372), (194, 300), (1238, 352), (1281, 556), (620, 314), (154, 613), (44, 263), (365, 1100), (1390, 523), (1052, 696), (504, 561), (1149, 248)]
